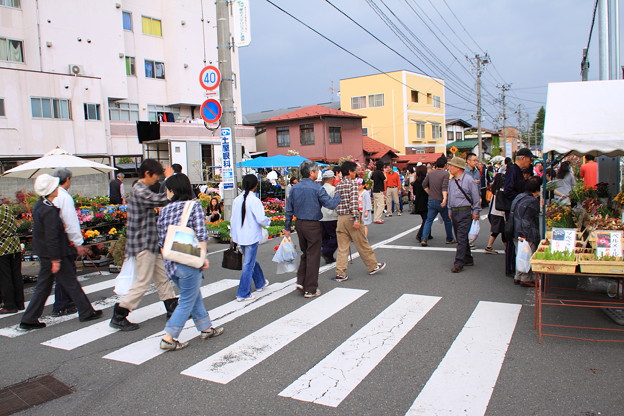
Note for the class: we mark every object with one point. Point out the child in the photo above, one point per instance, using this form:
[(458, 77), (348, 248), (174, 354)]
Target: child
[(365, 206)]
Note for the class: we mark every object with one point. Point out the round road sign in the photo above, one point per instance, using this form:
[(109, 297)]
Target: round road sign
[(210, 77), (211, 111)]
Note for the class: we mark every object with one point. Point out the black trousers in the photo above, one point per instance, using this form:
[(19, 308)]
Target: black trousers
[(423, 215), (67, 277), (510, 255), (62, 300), (310, 239), (462, 219), (330, 242), (11, 281)]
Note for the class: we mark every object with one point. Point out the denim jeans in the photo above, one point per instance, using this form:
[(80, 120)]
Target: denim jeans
[(251, 271), (188, 280), (433, 209)]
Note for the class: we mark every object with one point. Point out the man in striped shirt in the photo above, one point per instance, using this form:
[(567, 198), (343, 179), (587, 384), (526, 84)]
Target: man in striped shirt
[(348, 228)]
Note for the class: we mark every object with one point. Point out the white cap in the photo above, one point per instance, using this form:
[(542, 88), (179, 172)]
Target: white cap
[(419, 164), (46, 184), (328, 174)]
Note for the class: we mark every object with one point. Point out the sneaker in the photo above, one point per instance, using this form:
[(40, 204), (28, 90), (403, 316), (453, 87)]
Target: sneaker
[(250, 297), (453, 241), (490, 250), (472, 246), (266, 283), (380, 266), (340, 278), (312, 295), (211, 333), (424, 243), (32, 325), (399, 213), (299, 288), (388, 215), (379, 222), (172, 346)]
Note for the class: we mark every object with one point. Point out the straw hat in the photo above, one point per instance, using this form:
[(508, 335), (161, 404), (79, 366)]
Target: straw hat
[(458, 162), (46, 184)]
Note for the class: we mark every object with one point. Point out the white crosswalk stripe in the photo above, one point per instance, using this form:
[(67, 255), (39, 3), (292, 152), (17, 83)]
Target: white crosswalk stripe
[(465, 379), (243, 355), (101, 329), (148, 348), (331, 380)]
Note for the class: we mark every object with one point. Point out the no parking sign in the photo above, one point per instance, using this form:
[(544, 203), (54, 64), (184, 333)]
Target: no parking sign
[(211, 111)]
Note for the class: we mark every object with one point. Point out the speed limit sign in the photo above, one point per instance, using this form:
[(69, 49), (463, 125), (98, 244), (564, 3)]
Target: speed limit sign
[(210, 78)]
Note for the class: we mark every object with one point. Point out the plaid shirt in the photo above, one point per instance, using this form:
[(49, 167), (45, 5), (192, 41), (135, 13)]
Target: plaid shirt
[(9, 242), (172, 215), (349, 198), (141, 230)]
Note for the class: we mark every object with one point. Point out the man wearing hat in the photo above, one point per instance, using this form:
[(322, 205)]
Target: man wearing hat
[(329, 220), (56, 256), (464, 205)]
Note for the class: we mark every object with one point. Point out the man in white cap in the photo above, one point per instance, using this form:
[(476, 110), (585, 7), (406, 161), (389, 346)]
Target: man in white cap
[(329, 220), (56, 257)]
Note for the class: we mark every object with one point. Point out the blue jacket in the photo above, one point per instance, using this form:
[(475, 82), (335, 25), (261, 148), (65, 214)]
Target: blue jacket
[(305, 201)]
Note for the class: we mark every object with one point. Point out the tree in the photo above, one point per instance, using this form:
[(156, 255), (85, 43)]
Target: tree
[(536, 133)]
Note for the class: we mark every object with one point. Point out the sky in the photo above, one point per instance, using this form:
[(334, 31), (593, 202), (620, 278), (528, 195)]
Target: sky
[(530, 44)]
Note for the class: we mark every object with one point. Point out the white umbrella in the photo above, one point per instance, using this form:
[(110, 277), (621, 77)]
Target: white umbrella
[(497, 159), (57, 158)]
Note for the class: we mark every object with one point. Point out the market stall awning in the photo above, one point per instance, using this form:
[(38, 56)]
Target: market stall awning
[(585, 117), (277, 161), (57, 158)]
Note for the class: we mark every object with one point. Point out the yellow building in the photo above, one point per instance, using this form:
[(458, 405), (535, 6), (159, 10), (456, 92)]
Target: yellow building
[(403, 109)]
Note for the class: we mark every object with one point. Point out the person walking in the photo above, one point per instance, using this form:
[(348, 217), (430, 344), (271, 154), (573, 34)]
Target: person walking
[(472, 168), (349, 226), (116, 190), (421, 201), (305, 201), (589, 172), (436, 185), (329, 221), (56, 258), (464, 205), (525, 210), (496, 217), (188, 279), (247, 220), (393, 182), (11, 281), (364, 205), (142, 243), (379, 178)]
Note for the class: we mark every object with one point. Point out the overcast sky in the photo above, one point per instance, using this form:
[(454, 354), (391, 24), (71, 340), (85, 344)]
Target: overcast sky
[(530, 43)]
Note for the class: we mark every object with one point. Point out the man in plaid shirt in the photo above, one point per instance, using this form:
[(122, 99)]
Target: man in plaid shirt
[(348, 228), (142, 243)]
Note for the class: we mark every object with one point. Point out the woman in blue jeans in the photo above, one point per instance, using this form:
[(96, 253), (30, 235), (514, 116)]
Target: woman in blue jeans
[(187, 279), (248, 218)]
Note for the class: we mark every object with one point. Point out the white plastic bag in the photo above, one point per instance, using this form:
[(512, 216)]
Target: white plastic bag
[(286, 257), (523, 257), (126, 277), (474, 231), (265, 236)]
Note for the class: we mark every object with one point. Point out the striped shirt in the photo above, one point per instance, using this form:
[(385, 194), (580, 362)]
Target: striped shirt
[(349, 198), (141, 230)]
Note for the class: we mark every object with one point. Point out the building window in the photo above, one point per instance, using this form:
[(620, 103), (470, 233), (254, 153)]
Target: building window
[(436, 131), (429, 99), (364, 131), (283, 137), (130, 68), (414, 96), (123, 111), (458, 135), (2, 111), (335, 135), (11, 50), (10, 3), (420, 131), (153, 111), (154, 69), (151, 26), (436, 101), (50, 108), (450, 136), (127, 20), (419, 151), (358, 102), (92, 111), (306, 133), (376, 100)]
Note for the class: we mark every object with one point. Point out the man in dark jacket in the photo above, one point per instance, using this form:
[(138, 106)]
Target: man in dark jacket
[(116, 192), (525, 210), (378, 177)]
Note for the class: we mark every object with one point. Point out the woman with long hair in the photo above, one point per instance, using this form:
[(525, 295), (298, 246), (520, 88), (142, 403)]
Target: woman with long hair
[(565, 183), (421, 200), (248, 218), (214, 210), (188, 279), (495, 217)]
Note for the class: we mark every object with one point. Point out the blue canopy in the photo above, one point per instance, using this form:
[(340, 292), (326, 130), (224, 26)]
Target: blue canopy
[(277, 161)]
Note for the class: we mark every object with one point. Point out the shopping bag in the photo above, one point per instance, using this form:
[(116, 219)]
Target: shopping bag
[(126, 277), (488, 195), (232, 258), (181, 245), (523, 257), (286, 257), (474, 231), (265, 236)]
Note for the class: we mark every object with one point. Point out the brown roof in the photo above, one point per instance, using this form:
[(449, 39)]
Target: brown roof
[(419, 157), (313, 111), (376, 149)]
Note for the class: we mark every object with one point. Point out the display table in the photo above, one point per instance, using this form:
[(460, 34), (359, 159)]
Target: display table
[(548, 295)]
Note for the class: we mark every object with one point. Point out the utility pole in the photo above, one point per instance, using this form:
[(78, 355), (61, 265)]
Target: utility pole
[(504, 88), (226, 92), (584, 66), (479, 63)]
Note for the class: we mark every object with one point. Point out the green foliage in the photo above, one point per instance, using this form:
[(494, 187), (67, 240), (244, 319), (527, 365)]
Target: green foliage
[(537, 128), (556, 256), (275, 230)]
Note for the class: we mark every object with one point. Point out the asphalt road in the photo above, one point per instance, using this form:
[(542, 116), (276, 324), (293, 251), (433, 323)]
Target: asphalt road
[(414, 336)]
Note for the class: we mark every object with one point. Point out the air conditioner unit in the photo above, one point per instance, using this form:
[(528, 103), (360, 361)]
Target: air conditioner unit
[(75, 69)]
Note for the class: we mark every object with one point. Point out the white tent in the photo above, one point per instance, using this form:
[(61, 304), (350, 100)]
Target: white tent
[(585, 117)]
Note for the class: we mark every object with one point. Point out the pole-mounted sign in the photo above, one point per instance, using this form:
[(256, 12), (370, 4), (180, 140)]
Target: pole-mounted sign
[(211, 111), (210, 78)]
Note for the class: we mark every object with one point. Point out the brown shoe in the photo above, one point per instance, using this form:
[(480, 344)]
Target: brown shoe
[(456, 269)]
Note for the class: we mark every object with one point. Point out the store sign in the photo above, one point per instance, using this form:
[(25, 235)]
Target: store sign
[(608, 243), (563, 239), (227, 173)]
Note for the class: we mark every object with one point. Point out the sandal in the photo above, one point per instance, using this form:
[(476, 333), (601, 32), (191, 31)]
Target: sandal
[(211, 333), (172, 346)]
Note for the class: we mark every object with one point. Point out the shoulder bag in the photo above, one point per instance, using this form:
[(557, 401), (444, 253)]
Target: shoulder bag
[(181, 245), (463, 192), (232, 258)]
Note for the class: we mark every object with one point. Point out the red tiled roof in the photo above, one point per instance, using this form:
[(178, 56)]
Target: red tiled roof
[(312, 111), (420, 157), (376, 149)]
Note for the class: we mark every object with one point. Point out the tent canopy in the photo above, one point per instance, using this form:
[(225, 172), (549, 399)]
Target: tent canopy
[(57, 158), (585, 117), (277, 161)]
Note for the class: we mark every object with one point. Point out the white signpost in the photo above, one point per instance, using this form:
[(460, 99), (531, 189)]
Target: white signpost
[(227, 173)]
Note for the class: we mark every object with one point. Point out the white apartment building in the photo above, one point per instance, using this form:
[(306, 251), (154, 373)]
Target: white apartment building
[(79, 74)]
